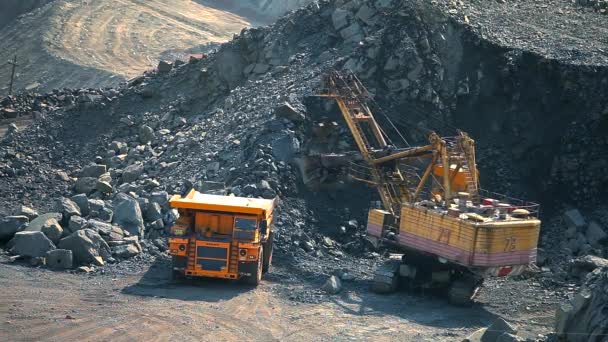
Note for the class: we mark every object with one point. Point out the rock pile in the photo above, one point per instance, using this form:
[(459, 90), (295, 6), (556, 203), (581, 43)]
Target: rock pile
[(584, 238), (600, 6), (585, 317), (38, 105), (241, 116)]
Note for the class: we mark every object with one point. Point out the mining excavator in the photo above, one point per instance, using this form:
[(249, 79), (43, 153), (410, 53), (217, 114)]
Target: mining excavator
[(450, 233)]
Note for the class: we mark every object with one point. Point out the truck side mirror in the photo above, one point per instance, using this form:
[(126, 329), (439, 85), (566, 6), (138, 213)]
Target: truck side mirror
[(264, 227)]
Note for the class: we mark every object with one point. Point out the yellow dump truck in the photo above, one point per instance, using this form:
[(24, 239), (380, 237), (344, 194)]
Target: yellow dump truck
[(222, 236)]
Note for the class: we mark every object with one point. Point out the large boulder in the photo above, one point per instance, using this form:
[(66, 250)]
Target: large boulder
[(76, 223), (153, 212), (498, 328), (104, 187), (125, 251), (86, 246), (585, 317), (60, 258), (67, 208), (38, 222), (100, 227), (85, 185), (92, 170), (100, 210), (164, 67), (132, 172), (579, 267), (286, 111), (52, 229), (27, 211), (30, 244), (82, 202), (12, 224), (160, 197), (127, 215), (499, 331)]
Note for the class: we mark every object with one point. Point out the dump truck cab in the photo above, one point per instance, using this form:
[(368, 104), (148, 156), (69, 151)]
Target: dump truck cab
[(222, 236)]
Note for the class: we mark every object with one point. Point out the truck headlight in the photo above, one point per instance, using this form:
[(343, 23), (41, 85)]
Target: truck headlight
[(243, 252)]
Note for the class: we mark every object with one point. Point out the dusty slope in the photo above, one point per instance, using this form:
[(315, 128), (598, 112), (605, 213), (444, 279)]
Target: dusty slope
[(11, 9), (97, 43)]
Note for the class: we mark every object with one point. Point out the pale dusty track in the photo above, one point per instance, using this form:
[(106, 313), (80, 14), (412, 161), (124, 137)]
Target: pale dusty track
[(96, 43), (35, 305), (128, 36)]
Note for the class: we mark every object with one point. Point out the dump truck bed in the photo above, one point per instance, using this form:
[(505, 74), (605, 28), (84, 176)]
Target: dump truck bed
[(197, 201)]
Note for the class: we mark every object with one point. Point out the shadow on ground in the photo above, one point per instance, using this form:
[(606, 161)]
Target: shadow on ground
[(157, 282), (356, 298)]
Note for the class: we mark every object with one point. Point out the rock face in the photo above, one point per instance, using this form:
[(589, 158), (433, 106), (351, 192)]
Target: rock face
[(11, 225), (86, 245), (127, 215), (585, 317), (31, 244)]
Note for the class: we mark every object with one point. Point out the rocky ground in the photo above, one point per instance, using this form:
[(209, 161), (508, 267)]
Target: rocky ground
[(100, 163)]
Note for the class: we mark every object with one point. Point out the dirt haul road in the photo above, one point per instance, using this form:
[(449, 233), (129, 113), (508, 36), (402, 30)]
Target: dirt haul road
[(83, 43), (39, 304)]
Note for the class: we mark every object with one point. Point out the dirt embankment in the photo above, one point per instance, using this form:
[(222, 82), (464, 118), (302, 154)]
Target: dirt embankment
[(99, 43)]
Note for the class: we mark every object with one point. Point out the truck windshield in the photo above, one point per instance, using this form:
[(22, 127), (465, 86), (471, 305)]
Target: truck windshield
[(245, 224)]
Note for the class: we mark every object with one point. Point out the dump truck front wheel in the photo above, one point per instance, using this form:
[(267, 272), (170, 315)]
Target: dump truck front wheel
[(256, 275)]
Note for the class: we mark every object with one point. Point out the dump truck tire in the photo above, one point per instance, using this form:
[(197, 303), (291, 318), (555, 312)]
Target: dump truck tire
[(256, 277), (177, 275), (268, 247)]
